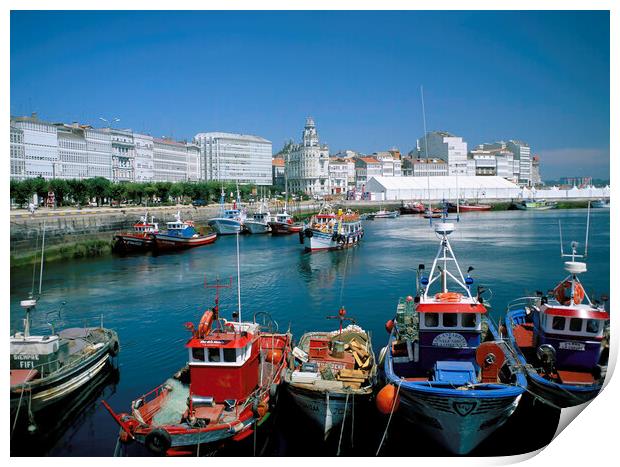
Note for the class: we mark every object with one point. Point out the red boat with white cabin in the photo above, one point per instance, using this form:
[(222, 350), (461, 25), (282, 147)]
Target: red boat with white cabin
[(141, 239), (228, 388)]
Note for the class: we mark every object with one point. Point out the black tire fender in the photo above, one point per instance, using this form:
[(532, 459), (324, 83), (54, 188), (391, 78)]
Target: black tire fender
[(158, 441), (308, 233), (114, 347)]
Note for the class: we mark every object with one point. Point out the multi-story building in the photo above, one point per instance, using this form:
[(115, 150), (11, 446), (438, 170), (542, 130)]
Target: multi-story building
[(536, 180), (40, 141), (99, 148), (194, 169), (72, 152), (169, 160), (521, 153), (144, 164), (390, 166), (308, 164), (235, 157), (18, 161), (338, 175), (123, 155), (427, 167), (482, 163), (346, 154), (277, 171), (365, 169), (445, 146)]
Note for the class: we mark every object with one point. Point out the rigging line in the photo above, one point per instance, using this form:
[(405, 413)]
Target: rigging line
[(390, 418), (344, 417), (344, 274), (34, 262)]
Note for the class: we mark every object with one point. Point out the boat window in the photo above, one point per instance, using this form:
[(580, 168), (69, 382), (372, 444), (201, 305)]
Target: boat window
[(558, 323), (468, 320), (198, 354), (593, 325), (431, 320), (230, 355), (214, 355), (575, 324), (449, 320)]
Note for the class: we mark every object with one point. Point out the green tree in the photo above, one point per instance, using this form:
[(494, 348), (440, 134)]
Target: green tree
[(24, 191), (150, 191), (118, 191), (163, 190), (176, 191), (78, 191), (60, 188), (98, 188), (41, 187)]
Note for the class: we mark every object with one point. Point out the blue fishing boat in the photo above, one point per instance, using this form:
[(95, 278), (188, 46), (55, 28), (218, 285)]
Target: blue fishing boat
[(181, 234), (562, 338), (445, 367)]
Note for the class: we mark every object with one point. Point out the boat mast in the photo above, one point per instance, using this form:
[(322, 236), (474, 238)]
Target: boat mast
[(428, 177), (238, 279), (42, 255), (286, 183)]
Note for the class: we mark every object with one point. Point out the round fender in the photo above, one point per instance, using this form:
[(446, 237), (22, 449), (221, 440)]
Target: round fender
[(308, 233), (114, 347), (158, 441), (301, 237)]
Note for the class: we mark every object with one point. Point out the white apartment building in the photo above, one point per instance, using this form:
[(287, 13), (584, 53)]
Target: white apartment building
[(144, 165), (194, 169), (18, 161), (482, 163), (40, 142), (338, 175), (365, 169), (72, 152), (390, 166), (235, 157), (521, 153), (308, 164), (99, 148), (445, 146), (429, 168), (123, 155), (169, 160)]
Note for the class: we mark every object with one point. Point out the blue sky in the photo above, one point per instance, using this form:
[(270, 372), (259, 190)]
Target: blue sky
[(542, 77)]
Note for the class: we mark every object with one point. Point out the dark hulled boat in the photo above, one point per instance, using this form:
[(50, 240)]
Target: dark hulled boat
[(140, 239), (180, 235)]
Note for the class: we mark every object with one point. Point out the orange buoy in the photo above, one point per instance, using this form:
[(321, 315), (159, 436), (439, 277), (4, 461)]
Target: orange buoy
[(389, 325), (452, 297), (386, 399), (274, 355), (409, 298)]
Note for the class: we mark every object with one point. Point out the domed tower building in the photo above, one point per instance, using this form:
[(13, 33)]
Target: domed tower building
[(308, 163)]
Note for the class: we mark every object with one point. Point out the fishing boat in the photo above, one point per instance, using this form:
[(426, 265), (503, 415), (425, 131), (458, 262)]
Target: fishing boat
[(535, 205), (383, 214), (433, 213), (468, 207), (445, 367), (226, 391), (283, 224), (180, 234), (600, 203), (229, 221), (140, 239), (332, 374), (259, 223), (51, 367), (330, 231), (562, 339), (412, 208)]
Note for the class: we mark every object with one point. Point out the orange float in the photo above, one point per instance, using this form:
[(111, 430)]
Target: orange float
[(387, 401)]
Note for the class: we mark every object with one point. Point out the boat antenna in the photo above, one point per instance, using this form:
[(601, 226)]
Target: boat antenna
[(42, 257), (238, 279), (561, 239), (428, 178), (585, 253), (34, 264)]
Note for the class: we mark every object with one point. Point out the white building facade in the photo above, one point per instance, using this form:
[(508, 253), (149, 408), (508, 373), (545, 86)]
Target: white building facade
[(144, 165), (308, 164), (99, 148), (18, 161), (521, 153), (40, 143), (169, 160), (445, 146), (235, 157), (123, 155)]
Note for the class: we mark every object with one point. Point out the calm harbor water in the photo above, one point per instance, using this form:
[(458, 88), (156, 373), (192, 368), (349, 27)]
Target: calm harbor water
[(147, 299)]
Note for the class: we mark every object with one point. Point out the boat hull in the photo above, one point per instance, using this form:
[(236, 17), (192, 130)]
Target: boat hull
[(130, 242), (324, 241), (523, 207), (281, 228), (326, 410), (169, 242), (470, 208), (225, 226), (256, 227)]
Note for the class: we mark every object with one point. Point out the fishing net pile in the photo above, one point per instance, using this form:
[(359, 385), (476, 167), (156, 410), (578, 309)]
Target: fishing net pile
[(174, 405)]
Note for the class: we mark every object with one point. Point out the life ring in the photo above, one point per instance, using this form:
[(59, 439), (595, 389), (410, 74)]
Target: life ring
[(562, 293), (158, 441), (451, 297), (205, 323)]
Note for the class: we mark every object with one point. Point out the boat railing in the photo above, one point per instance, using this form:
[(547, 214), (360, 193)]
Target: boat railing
[(523, 302)]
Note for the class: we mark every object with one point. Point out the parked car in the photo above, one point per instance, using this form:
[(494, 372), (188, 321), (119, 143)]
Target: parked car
[(199, 202)]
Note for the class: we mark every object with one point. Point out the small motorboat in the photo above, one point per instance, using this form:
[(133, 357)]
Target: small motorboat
[(383, 214), (445, 367), (535, 205), (283, 224), (180, 234), (259, 223), (228, 388), (562, 339), (229, 221), (140, 239), (331, 373), (600, 203), (330, 231)]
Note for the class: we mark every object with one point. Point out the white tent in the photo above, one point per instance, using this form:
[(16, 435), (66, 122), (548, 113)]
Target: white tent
[(445, 187)]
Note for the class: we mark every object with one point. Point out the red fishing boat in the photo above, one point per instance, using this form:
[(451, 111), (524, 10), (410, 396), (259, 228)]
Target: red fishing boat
[(181, 235), (228, 388), (141, 239), (468, 207)]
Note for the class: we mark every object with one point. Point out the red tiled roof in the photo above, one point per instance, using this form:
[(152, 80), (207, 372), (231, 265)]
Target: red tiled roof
[(276, 161)]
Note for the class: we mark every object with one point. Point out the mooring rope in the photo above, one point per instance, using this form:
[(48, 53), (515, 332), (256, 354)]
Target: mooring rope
[(389, 419), (344, 417)]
